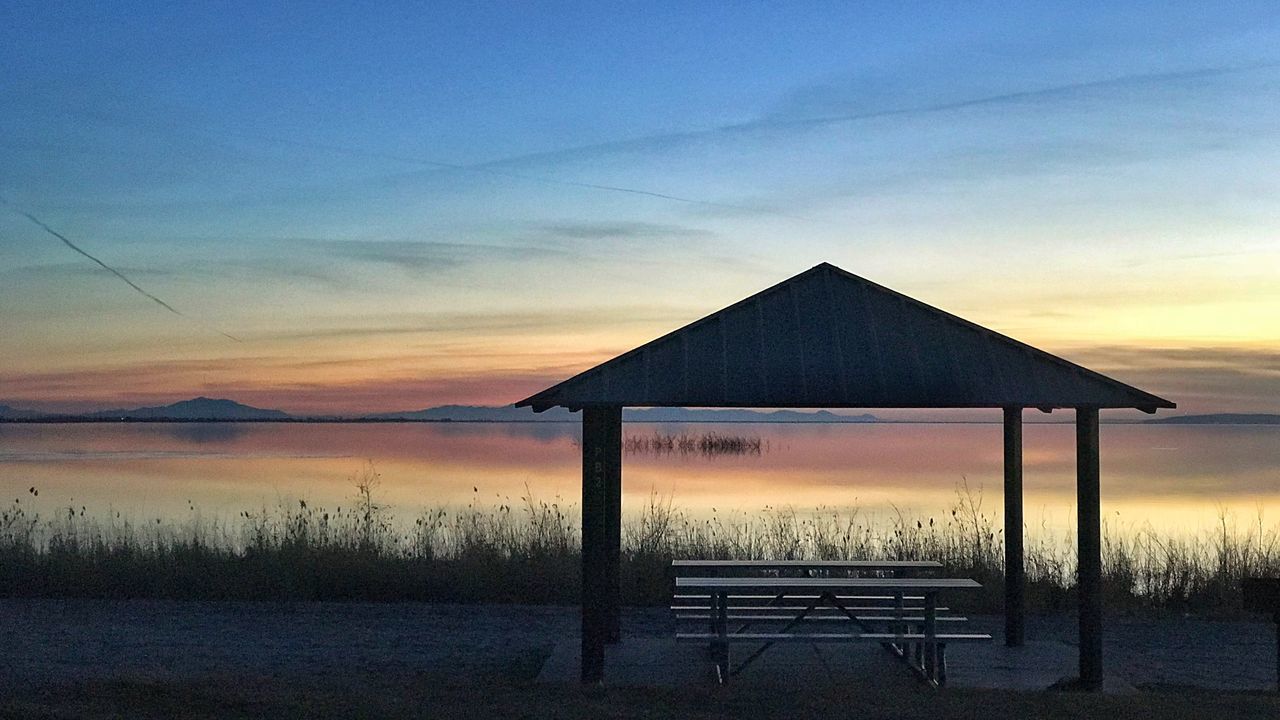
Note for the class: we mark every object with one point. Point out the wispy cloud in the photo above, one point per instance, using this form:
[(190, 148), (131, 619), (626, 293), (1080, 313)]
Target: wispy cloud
[(1212, 379), (1262, 361), (490, 324), (621, 230), (428, 255), (59, 271)]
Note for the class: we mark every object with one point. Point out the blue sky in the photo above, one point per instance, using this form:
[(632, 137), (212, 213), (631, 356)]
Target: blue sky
[(400, 204)]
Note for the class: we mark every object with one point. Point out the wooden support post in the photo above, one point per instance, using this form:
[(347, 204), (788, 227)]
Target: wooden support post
[(1263, 595), (595, 551), (613, 525), (1014, 570), (1089, 539)]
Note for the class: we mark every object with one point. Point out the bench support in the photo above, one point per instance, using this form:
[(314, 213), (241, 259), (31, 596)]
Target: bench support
[(926, 658), (760, 651), (931, 631)]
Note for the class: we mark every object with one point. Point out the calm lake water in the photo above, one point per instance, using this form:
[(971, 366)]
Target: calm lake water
[(1177, 478)]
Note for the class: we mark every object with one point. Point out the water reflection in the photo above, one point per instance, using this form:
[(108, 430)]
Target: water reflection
[(1170, 476), (200, 433), (707, 444), (545, 431)]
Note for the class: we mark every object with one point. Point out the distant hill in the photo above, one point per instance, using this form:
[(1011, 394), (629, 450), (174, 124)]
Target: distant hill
[(1218, 419), (217, 409), (8, 412), (510, 413), (201, 408)]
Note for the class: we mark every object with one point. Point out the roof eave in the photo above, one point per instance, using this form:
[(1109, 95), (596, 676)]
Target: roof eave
[(542, 404)]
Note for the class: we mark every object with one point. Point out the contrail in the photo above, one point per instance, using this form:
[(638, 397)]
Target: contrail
[(497, 167), (771, 123), (488, 168), (113, 271), (1005, 98)]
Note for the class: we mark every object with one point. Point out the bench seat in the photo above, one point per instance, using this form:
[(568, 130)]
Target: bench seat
[(798, 608), (805, 596), (841, 617), (833, 637)]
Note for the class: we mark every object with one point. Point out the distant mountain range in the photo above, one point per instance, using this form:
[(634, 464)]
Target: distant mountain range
[(1218, 419), (8, 412), (217, 409), (201, 408)]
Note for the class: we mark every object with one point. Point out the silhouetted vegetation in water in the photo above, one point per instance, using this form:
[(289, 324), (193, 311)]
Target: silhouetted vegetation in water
[(529, 552), (708, 444)]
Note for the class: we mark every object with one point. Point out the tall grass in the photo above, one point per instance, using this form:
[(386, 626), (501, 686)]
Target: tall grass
[(530, 552)]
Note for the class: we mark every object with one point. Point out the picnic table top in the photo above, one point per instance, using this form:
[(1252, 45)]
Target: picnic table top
[(889, 564), (772, 583)]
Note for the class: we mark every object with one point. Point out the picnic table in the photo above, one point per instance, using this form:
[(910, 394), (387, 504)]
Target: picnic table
[(878, 606), (807, 568)]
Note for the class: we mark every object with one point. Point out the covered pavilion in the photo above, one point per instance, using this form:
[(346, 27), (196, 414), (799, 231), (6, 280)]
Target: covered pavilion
[(829, 339)]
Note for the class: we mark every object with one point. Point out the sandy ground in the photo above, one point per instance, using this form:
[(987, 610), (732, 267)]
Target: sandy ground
[(49, 642)]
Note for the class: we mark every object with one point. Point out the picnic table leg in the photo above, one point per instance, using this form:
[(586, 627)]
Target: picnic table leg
[(917, 649), (899, 628), (722, 620), (714, 601), (931, 635), (942, 664), (713, 616), (713, 647)]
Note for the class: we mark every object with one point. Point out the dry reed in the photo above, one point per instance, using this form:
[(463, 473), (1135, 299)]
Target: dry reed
[(530, 552)]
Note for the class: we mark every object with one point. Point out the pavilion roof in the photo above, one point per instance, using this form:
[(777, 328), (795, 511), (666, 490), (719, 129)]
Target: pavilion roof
[(827, 338)]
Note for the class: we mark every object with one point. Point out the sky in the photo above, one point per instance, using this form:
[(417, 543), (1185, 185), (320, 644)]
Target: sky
[(395, 206)]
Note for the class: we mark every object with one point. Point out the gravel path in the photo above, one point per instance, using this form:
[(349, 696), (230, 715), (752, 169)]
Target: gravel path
[(58, 641)]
